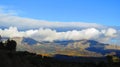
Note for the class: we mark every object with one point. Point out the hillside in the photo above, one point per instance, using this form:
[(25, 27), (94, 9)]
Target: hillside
[(78, 47), (26, 59), (9, 57)]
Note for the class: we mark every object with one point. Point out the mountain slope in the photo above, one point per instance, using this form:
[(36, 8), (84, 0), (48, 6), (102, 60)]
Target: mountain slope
[(70, 47)]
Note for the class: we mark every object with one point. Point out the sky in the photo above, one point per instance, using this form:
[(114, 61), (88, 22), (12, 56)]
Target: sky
[(75, 19), (105, 12)]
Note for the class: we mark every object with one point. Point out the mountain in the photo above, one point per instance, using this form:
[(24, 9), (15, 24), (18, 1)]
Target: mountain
[(68, 47), (29, 41), (91, 45)]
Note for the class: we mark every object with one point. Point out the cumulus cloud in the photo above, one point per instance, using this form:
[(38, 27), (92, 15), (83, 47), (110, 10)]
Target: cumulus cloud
[(11, 32), (51, 35), (110, 32)]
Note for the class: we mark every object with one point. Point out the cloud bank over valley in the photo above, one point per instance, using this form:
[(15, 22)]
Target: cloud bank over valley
[(46, 34)]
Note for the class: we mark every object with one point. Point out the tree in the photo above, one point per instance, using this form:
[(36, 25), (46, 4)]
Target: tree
[(11, 45), (0, 38), (109, 58), (1, 45)]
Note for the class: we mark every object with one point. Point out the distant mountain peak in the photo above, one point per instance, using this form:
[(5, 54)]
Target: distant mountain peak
[(29, 41)]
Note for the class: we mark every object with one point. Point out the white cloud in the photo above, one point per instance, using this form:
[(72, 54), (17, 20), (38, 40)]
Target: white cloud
[(10, 18), (21, 22), (11, 32), (6, 11), (93, 31), (51, 35), (111, 32)]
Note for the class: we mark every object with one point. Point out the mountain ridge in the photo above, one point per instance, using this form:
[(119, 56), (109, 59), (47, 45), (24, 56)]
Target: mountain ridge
[(78, 47)]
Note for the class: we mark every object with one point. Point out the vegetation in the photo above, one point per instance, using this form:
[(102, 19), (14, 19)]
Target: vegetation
[(8, 45), (11, 58)]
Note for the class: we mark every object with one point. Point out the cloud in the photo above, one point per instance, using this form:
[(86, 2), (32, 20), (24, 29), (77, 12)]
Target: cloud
[(10, 18), (51, 35), (11, 32), (110, 32), (6, 11), (42, 30), (20, 22)]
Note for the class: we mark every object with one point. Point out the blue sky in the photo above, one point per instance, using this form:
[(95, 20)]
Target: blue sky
[(51, 20), (105, 12)]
